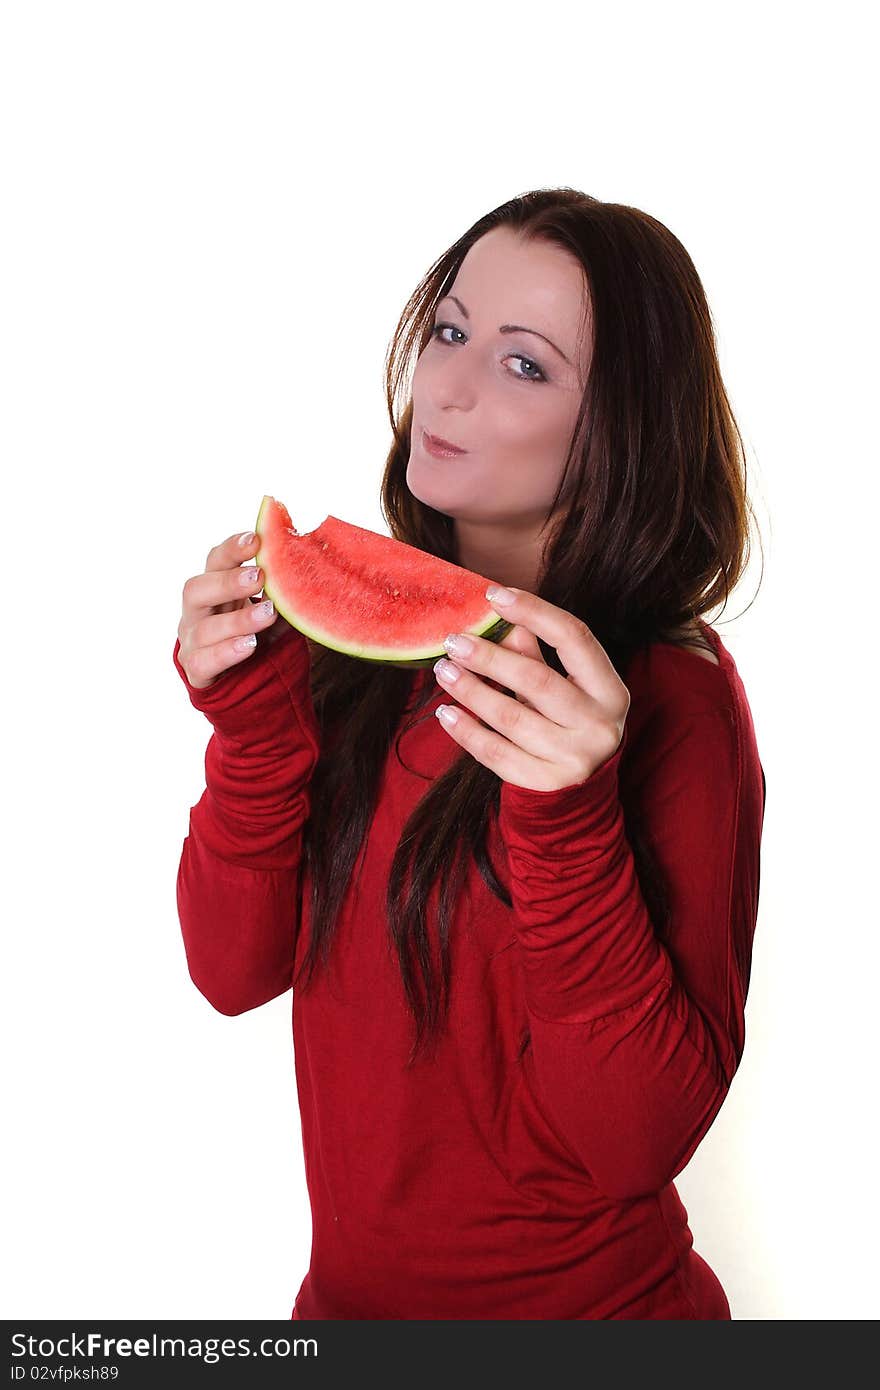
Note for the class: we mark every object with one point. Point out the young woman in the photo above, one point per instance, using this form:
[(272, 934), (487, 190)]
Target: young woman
[(519, 943)]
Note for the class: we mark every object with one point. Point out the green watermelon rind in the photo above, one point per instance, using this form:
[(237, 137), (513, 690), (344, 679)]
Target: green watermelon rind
[(494, 633), (493, 629)]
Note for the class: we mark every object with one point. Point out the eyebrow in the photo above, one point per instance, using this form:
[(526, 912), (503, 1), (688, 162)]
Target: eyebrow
[(510, 327)]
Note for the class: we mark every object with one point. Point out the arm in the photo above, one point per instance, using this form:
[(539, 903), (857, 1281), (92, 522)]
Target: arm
[(635, 1040), (238, 880)]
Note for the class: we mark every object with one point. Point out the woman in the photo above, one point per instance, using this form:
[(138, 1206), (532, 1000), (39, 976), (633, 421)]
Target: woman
[(541, 916)]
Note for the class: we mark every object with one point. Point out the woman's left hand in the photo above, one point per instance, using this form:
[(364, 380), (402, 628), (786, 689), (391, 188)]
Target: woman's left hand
[(556, 730)]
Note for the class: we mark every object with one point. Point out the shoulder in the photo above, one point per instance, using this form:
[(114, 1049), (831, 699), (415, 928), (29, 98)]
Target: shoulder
[(690, 714), (679, 673), (692, 774), (695, 637), (676, 695)]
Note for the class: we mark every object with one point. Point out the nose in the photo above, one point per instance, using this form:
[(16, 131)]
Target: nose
[(452, 383)]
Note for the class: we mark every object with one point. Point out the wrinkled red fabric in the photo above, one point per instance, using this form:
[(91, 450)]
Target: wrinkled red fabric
[(526, 1170)]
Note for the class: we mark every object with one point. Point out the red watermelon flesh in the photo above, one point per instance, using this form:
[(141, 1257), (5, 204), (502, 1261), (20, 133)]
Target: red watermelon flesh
[(366, 594)]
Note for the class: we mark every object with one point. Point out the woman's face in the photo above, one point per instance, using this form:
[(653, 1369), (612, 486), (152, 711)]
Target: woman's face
[(508, 397)]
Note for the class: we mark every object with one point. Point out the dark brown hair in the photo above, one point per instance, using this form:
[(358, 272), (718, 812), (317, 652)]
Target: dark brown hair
[(654, 533)]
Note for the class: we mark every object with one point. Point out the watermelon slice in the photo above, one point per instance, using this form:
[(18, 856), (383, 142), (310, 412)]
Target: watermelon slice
[(369, 595)]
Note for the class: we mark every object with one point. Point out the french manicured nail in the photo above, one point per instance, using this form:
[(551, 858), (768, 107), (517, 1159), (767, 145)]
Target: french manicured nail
[(266, 609), (446, 714), (500, 596), (241, 644), (446, 669), (458, 645), (247, 537), (249, 575)]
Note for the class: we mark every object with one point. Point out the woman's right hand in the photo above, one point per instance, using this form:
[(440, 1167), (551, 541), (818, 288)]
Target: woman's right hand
[(219, 611)]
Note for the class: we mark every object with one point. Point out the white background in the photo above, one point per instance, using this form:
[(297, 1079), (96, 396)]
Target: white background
[(213, 216)]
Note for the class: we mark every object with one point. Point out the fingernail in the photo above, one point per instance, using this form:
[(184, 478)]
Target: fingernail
[(499, 596), (458, 645), (247, 537)]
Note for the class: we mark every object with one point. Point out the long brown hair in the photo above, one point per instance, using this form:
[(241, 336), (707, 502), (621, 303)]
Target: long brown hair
[(654, 533)]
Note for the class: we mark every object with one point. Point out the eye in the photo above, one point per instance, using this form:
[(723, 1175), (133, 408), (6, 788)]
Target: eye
[(439, 328), (528, 361)]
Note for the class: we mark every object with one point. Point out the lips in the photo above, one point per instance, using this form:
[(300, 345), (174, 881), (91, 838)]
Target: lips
[(435, 445)]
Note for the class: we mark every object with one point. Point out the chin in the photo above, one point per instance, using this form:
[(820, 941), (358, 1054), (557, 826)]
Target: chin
[(422, 491)]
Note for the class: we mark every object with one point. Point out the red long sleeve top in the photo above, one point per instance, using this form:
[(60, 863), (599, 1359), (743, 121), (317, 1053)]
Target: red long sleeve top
[(497, 1181)]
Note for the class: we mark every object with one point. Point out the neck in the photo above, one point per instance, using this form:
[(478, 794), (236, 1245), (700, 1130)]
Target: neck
[(504, 554)]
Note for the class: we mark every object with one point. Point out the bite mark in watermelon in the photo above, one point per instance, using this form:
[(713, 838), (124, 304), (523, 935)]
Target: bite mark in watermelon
[(366, 594)]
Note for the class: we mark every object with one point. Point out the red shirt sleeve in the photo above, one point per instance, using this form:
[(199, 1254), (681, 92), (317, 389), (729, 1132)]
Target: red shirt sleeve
[(238, 879), (635, 1039)]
